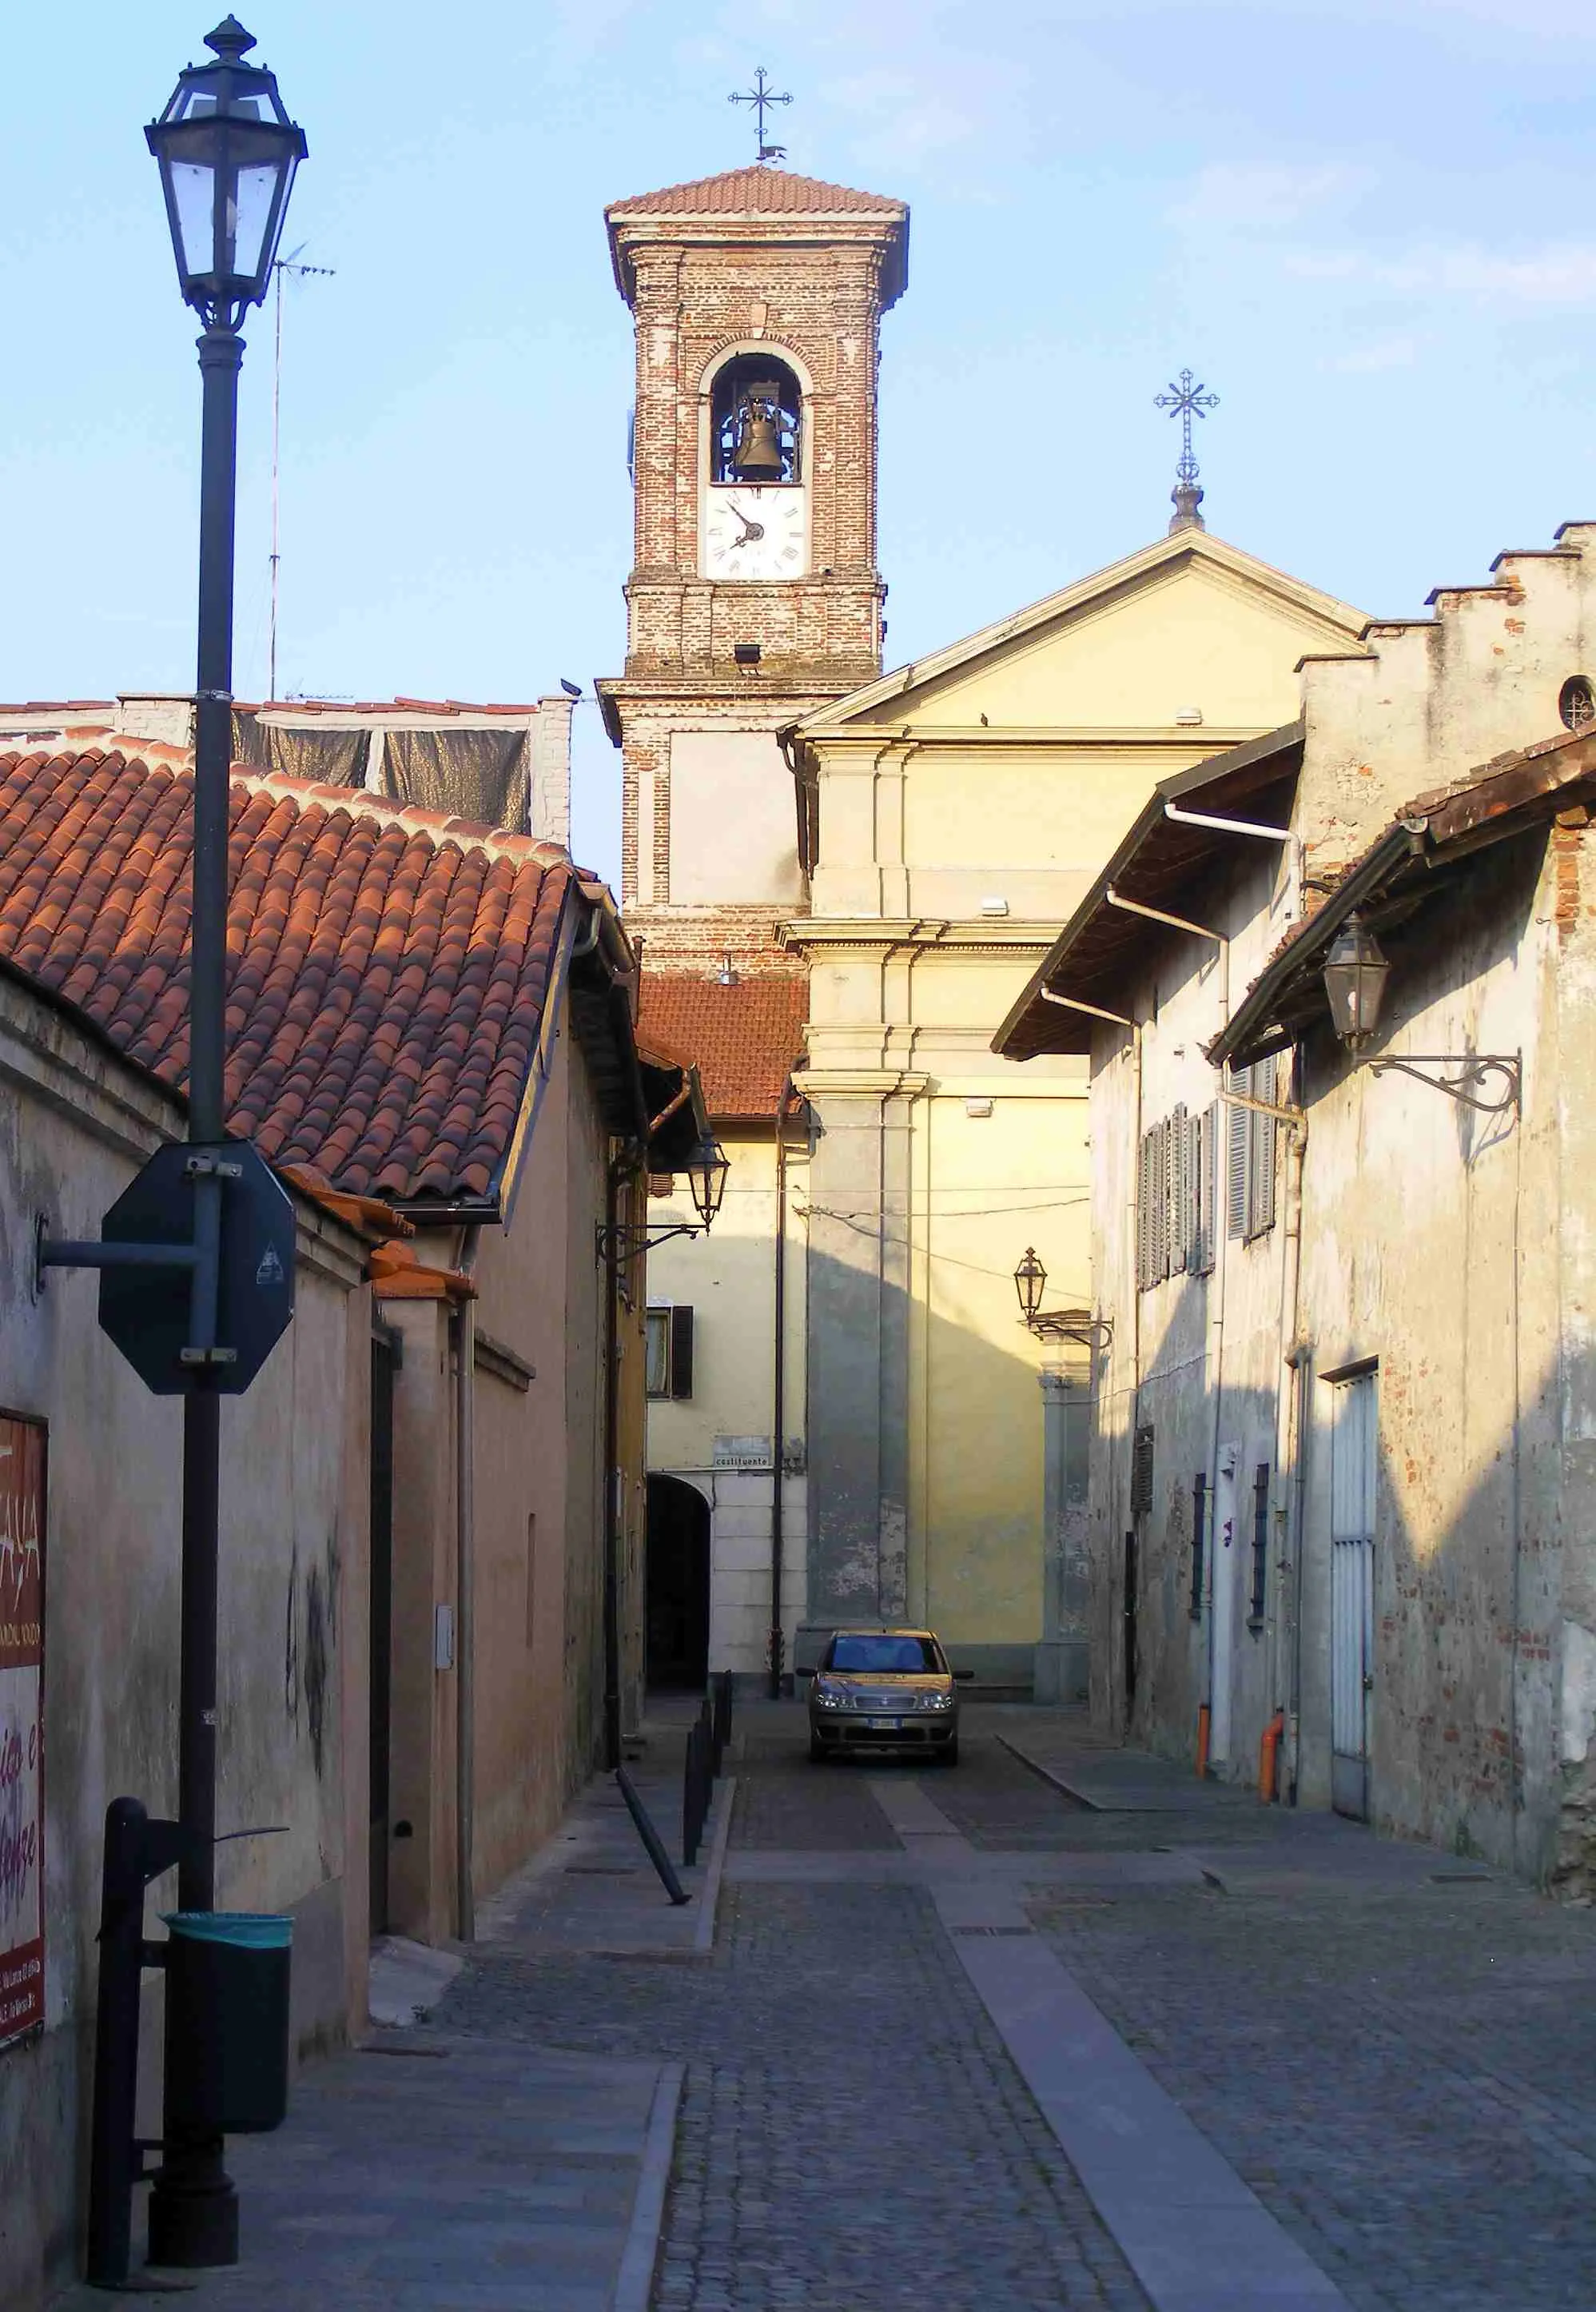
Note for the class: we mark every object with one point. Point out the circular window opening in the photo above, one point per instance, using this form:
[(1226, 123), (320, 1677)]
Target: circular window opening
[(1576, 702)]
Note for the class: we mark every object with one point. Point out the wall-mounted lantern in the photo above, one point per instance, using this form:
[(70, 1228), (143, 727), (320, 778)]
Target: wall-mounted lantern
[(1077, 1324), (1356, 971), (707, 1169), (706, 1177)]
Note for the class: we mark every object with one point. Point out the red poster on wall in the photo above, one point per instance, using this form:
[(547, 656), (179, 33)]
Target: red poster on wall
[(21, 1725)]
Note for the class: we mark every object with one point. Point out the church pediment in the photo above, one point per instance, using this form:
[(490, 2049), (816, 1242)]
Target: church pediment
[(1188, 627)]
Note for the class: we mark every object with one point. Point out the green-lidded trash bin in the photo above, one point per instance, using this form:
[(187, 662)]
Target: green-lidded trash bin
[(227, 2020)]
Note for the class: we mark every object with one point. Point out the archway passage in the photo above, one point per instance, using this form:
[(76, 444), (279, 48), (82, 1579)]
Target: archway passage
[(678, 1584)]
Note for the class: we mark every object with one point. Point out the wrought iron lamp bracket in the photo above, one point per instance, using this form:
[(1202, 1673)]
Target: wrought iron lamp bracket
[(619, 1243), (1090, 1333), (1475, 1066)]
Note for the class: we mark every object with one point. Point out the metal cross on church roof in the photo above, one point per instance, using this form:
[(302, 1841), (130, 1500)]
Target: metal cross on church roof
[(1190, 400), (762, 98)]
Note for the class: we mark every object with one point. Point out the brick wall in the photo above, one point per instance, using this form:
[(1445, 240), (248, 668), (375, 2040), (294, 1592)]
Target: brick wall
[(812, 290)]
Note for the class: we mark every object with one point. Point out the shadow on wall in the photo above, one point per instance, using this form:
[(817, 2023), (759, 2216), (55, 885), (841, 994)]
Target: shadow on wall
[(926, 1441), (1481, 1677)]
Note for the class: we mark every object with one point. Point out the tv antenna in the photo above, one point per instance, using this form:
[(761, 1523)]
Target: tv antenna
[(280, 265)]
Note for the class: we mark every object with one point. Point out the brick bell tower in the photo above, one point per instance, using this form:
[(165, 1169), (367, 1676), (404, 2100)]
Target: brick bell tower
[(755, 595)]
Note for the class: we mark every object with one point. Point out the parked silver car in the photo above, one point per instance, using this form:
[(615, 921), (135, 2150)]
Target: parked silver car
[(885, 1690)]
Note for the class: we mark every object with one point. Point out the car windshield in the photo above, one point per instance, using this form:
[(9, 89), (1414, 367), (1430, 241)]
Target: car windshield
[(883, 1653)]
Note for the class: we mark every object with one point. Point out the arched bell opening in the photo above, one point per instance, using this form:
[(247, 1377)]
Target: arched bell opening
[(756, 422), (677, 1545)]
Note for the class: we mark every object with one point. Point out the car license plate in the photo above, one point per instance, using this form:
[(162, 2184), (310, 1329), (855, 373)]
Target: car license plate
[(884, 1725)]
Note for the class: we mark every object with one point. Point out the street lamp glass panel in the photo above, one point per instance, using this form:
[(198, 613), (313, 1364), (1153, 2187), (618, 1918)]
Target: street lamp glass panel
[(227, 153), (1029, 1278), (1355, 974), (706, 1176)]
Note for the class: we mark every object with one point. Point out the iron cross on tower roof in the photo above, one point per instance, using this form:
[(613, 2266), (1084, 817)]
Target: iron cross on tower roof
[(1190, 400), (761, 97)]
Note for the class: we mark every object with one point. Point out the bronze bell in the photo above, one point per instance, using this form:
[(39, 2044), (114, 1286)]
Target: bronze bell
[(757, 457)]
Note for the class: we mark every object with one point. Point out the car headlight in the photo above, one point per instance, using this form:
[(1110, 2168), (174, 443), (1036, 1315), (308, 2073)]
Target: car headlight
[(939, 1701), (830, 1697)]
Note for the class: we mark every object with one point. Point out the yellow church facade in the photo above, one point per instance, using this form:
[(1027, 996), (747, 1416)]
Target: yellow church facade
[(951, 815)]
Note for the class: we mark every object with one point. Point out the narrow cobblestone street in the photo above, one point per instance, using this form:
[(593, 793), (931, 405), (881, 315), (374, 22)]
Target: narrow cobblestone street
[(1062, 2027), (1395, 2052), (852, 2130)]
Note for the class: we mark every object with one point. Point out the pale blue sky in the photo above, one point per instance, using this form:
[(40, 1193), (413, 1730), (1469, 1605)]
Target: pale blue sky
[(1367, 224)]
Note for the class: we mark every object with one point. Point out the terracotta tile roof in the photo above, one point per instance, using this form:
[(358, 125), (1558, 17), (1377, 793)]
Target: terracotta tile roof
[(388, 966), (745, 1038), (755, 192)]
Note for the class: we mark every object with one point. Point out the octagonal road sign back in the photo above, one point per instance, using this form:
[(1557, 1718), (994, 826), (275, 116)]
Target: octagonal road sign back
[(146, 1310)]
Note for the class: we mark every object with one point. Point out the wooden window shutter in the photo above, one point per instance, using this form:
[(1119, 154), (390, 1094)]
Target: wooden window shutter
[(1261, 1188), (1207, 1142), (1144, 1213), (1180, 1191), (681, 1351), (1238, 1143)]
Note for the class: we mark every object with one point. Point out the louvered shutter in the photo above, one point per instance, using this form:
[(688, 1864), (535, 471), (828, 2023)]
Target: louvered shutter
[(1238, 1142), (681, 1351), (1142, 1216), (1160, 1201), (1207, 1146), (1261, 1188), (1179, 1206)]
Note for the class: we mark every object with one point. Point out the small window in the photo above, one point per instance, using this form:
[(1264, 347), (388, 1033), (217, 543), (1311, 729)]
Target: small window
[(668, 1365), (1576, 702), (1260, 1545)]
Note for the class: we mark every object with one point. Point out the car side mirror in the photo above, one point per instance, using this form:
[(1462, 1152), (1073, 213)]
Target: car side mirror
[(964, 1673)]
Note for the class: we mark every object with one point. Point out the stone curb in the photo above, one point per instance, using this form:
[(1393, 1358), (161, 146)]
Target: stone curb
[(634, 2282), (709, 1896)]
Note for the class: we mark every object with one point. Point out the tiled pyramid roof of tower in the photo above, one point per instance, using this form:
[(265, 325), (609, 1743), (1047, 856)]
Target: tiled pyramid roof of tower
[(746, 1038), (388, 966), (756, 192)]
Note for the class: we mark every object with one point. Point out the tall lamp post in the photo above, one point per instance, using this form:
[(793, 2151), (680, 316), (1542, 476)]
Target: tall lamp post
[(227, 153)]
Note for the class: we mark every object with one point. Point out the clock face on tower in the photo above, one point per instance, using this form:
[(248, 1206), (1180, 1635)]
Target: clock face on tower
[(753, 532)]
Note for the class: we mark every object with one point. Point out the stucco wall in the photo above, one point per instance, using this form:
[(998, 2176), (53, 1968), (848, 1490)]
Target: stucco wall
[(1196, 1358), (75, 1125), (727, 1278), (1446, 1252), (1454, 1247), (537, 1518)]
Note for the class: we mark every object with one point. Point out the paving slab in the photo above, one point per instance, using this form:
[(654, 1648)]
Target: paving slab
[(431, 2170)]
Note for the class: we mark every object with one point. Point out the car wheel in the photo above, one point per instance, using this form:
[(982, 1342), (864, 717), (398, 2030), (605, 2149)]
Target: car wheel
[(816, 1750), (948, 1755)]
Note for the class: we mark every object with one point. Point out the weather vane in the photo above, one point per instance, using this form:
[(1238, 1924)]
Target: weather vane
[(1190, 400), (761, 97)]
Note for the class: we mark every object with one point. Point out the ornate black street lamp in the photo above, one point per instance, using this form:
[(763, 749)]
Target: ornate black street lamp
[(1356, 971), (227, 153), (1029, 1278), (706, 1177)]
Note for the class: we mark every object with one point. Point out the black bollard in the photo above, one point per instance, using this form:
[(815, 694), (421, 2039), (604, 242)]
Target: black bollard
[(137, 1850)]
